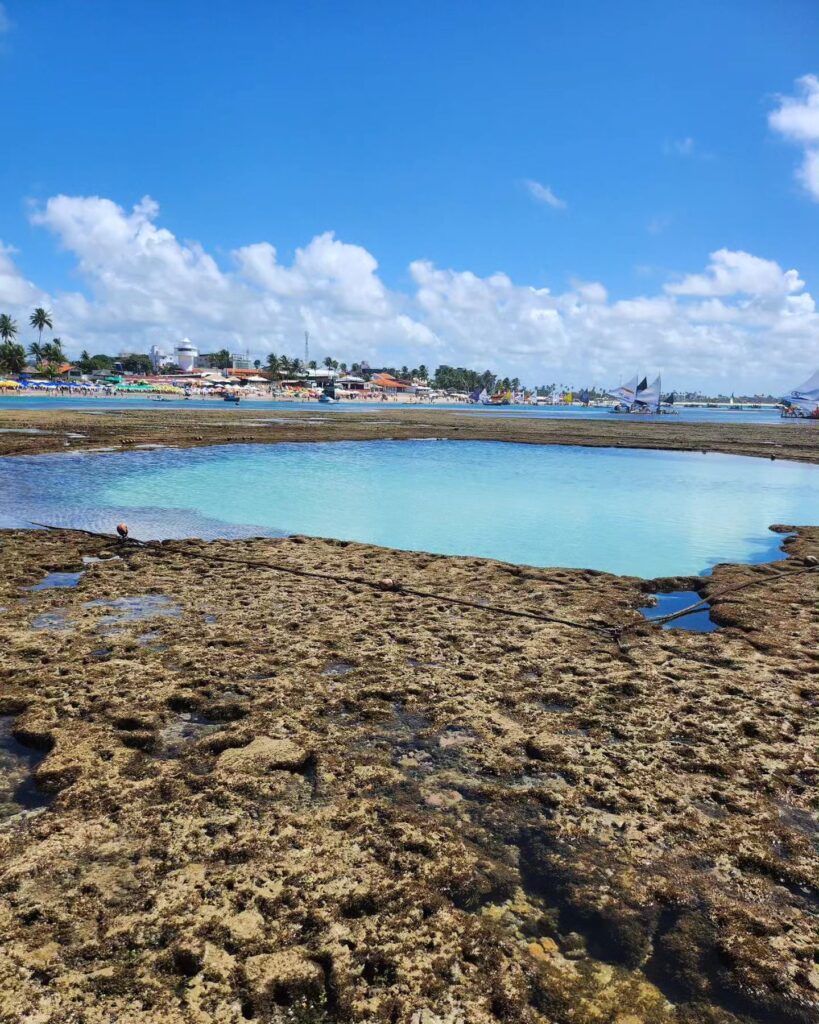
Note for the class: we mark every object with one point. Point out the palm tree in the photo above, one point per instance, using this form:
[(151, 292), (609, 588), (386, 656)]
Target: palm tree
[(37, 352), (328, 362), (273, 363), (12, 357), (53, 351), (39, 319), (8, 327)]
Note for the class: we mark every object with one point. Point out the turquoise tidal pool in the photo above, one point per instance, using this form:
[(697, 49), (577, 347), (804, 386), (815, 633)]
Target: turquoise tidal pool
[(629, 511)]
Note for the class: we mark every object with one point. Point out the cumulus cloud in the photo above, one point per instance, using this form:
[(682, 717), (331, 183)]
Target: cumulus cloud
[(741, 322), (797, 119), (543, 194), (735, 273)]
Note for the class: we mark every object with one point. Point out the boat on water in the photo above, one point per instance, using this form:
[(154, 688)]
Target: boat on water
[(328, 395), (803, 402), (639, 398), (231, 398)]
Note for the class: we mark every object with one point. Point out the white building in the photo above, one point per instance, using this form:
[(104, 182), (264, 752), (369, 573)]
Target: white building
[(159, 357), (186, 353)]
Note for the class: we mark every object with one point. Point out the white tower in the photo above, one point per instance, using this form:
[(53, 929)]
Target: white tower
[(186, 354)]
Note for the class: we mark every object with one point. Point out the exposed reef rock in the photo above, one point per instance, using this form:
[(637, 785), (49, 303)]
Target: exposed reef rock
[(300, 800)]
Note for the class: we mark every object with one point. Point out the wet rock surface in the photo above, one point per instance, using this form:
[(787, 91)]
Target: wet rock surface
[(480, 818), (105, 430)]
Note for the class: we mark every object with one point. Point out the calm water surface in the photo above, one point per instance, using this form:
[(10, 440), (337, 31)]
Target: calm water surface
[(527, 411), (647, 513)]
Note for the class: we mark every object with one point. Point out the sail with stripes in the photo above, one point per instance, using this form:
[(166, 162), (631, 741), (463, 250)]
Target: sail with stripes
[(805, 398), (627, 392)]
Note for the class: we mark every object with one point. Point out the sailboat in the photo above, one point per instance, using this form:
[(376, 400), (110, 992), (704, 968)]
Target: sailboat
[(625, 395), (803, 402), (641, 398), (648, 397)]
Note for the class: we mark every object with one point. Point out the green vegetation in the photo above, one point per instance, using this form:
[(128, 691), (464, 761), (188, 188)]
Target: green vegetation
[(39, 319)]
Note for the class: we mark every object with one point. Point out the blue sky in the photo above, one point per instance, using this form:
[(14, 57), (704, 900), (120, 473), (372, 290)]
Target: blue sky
[(617, 144)]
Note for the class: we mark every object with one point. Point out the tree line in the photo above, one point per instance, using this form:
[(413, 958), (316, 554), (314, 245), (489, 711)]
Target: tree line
[(13, 356), (49, 356)]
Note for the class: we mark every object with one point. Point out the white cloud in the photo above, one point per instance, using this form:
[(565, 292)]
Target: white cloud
[(680, 147), (15, 290), (741, 322), (735, 273), (543, 194), (797, 119)]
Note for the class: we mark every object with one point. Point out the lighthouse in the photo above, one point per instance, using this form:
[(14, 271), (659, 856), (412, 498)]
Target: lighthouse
[(186, 353)]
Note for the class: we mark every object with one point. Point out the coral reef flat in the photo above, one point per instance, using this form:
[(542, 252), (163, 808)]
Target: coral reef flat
[(27, 430), (319, 795)]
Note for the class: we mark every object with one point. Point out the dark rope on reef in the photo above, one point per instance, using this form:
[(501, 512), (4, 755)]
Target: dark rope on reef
[(390, 585)]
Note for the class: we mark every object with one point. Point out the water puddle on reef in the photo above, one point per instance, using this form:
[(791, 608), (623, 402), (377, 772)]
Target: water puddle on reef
[(58, 581), (133, 609), (56, 620), (699, 621), (184, 728), (18, 791), (338, 668)]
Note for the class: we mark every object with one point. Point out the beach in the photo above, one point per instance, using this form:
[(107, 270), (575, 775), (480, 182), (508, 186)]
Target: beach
[(302, 779)]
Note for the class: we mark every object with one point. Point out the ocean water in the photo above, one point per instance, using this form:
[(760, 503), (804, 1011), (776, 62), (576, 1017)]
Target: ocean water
[(527, 411), (644, 513)]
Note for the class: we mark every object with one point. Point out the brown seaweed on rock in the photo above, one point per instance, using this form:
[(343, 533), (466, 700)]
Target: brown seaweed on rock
[(476, 821)]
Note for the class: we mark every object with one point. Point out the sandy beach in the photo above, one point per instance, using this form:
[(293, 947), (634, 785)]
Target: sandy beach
[(312, 795)]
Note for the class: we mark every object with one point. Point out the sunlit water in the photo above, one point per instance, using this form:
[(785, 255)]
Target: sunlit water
[(562, 412), (647, 513)]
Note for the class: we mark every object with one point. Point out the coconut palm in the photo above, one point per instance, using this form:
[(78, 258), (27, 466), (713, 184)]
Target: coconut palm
[(39, 319), (53, 351), (8, 327), (37, 352), (12, 357)]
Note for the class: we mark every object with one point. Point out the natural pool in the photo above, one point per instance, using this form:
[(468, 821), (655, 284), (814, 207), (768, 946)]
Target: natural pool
[(646, 513)]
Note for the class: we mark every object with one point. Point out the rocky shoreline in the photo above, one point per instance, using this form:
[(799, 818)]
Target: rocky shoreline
[(26, 431), (278, 797)]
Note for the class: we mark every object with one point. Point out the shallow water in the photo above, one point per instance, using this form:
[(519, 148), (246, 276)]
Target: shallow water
[(18, 791), (58, 581), (696, 622), (724, 415), (646, 513)]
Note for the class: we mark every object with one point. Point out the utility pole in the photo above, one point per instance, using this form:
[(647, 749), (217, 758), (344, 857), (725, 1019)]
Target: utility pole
[(306, 349)]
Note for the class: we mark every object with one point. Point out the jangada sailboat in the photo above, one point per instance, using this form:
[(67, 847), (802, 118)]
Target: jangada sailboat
[(803, 402), (641, 398)]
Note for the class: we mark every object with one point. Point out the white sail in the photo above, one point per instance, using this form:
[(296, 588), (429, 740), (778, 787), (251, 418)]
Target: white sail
[(805, 398), (625, 392), (651, 395), (483, 397)]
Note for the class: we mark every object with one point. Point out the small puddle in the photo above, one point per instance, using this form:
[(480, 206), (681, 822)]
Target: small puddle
[(56, 620), (697, 622), (18, 791), (184, 728), (97, 560), (58, 581), (22, 430), (134, 609), (338, 668)]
